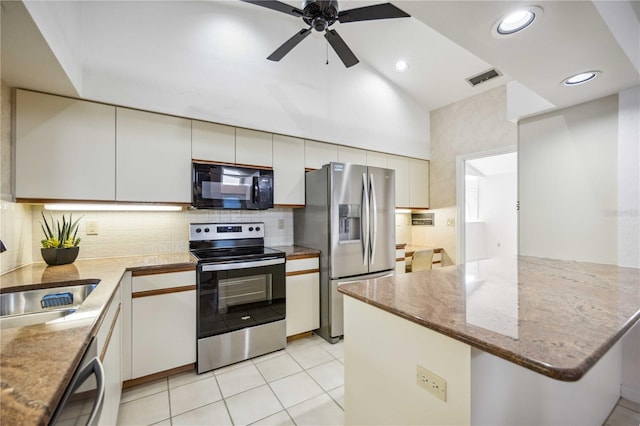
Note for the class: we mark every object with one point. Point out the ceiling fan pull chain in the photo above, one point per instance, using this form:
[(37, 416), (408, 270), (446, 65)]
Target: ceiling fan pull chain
[(327, 46)]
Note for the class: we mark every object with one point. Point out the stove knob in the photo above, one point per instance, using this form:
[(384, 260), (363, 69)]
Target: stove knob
[(250, 228), (257, 228), (198, 230), (206, 229)]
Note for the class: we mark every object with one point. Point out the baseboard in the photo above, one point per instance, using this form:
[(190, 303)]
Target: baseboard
[(632, 394)]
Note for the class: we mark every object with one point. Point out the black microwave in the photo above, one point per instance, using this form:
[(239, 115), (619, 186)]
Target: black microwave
[(221, 186)]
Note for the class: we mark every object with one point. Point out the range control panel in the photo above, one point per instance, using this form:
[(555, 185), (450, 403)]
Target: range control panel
[(225, 231)]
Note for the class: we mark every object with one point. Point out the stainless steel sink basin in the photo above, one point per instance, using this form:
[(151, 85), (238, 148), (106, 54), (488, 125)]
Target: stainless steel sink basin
[(29, 307)]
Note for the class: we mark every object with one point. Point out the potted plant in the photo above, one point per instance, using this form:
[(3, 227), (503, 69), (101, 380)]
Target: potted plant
[(60, 245)]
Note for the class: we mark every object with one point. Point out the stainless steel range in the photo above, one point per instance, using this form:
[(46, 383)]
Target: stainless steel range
[(241, 293)]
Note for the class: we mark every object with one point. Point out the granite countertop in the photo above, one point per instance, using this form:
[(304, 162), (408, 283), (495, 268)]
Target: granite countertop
[(38, 361), (555, 317), (297, 252)]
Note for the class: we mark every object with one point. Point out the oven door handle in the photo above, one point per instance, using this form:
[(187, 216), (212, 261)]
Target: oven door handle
[(241, 265)]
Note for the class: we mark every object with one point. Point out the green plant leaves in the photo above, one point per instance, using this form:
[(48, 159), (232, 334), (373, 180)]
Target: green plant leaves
[(66, 234)]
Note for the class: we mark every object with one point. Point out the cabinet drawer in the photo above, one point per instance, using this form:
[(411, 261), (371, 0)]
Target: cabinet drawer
[(109, 321), (297, 265), (163, 281)]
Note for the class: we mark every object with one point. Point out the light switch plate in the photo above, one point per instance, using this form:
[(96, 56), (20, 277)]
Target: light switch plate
[(92, 227)]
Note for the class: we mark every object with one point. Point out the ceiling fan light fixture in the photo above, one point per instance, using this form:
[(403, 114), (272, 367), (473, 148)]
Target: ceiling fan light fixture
[(401, 66), (581, 78), (516, 21)]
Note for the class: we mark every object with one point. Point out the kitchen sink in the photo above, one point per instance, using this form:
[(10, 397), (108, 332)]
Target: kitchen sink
[(29, 307)]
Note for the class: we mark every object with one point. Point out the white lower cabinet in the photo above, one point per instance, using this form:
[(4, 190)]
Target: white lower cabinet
[(110, 352), (303, 295), (163, 322)]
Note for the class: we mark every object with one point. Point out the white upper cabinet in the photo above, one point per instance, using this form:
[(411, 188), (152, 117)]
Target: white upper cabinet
[(317, 154), (288, 170), (213, 142), (377, 159), (352, 155), (401, 166), (254, 148), (419, 186), (65, 148), (153, 157)]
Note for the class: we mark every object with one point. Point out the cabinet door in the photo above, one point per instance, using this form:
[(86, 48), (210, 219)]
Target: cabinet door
[(153, 157), (288, 170), (377, 159), (303, 296), (254, 148), (213, 142), (65, 148), (419, 187), (163, 332), (401, 166), (317, 154), (352, 155)]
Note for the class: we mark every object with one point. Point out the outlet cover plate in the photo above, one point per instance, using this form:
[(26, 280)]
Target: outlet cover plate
[(433, 383)]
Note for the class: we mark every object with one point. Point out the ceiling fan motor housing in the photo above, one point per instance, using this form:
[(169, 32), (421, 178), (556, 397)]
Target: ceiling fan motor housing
[(320, 14)]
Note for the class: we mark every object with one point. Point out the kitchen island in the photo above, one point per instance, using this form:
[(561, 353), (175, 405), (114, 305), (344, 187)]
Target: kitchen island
[(518, 341)]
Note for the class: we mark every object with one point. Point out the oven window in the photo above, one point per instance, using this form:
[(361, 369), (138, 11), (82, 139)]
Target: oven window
[(243, 291), (236, 299)]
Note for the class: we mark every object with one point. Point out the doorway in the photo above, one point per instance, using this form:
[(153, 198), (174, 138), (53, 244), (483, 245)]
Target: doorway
[(487, 194)]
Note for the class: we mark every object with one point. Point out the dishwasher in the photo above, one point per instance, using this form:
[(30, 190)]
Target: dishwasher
[(86, 389)]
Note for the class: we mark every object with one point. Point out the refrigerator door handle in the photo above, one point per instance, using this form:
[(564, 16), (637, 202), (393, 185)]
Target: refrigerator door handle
[(364, 216), (373, 230)]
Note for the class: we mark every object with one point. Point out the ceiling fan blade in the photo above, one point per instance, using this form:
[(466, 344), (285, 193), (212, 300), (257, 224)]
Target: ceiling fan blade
[(344, 53), (277, 6), (369, 13), (286, 47)]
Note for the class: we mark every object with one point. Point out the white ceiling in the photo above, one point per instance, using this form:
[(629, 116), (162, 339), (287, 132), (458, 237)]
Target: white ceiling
[(184, 57)]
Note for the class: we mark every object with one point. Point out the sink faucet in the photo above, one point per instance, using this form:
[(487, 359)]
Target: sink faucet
[(2, 247)]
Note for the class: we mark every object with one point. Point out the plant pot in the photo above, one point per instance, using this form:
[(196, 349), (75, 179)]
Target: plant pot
[(60, 256)]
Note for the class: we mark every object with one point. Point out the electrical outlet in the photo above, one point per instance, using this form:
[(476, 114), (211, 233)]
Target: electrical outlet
[(451, 222), (92, 227), (280, 223), (430, 381)]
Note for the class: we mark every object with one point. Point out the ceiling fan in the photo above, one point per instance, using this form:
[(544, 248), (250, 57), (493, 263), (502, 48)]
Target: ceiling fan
[(322, 14)]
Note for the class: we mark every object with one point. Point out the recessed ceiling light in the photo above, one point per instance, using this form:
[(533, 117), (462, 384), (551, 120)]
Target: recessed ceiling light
[(401, 66), (583, 77), (516, 21)]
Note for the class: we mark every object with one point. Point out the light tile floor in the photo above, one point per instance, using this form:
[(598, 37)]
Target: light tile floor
[(301, 385)]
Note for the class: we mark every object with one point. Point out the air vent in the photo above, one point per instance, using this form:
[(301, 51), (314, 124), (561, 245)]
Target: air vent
[(485, 76)]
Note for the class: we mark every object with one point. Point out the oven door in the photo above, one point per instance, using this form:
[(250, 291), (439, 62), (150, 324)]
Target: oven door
[(237, 295)]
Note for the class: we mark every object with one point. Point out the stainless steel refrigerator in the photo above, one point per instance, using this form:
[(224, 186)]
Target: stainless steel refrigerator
[(349, 216)]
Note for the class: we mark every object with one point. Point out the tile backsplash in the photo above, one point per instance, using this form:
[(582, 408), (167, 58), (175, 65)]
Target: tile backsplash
[(145, 233)]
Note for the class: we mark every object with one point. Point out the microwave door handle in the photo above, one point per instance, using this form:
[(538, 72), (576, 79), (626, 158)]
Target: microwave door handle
[(255, 196)]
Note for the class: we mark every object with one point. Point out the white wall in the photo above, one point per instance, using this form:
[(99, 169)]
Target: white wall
[(628, 214), (498, 197), (216, 71), (568, 184)]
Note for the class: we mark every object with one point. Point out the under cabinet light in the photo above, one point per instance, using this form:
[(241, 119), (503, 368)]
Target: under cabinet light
[(113, 207)]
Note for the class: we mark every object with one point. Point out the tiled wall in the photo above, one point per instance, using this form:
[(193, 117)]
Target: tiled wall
[(15, 232), (143, 233)]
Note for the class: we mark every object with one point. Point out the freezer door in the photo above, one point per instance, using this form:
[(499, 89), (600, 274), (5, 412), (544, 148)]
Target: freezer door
[(382, 251), (349, 220)]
